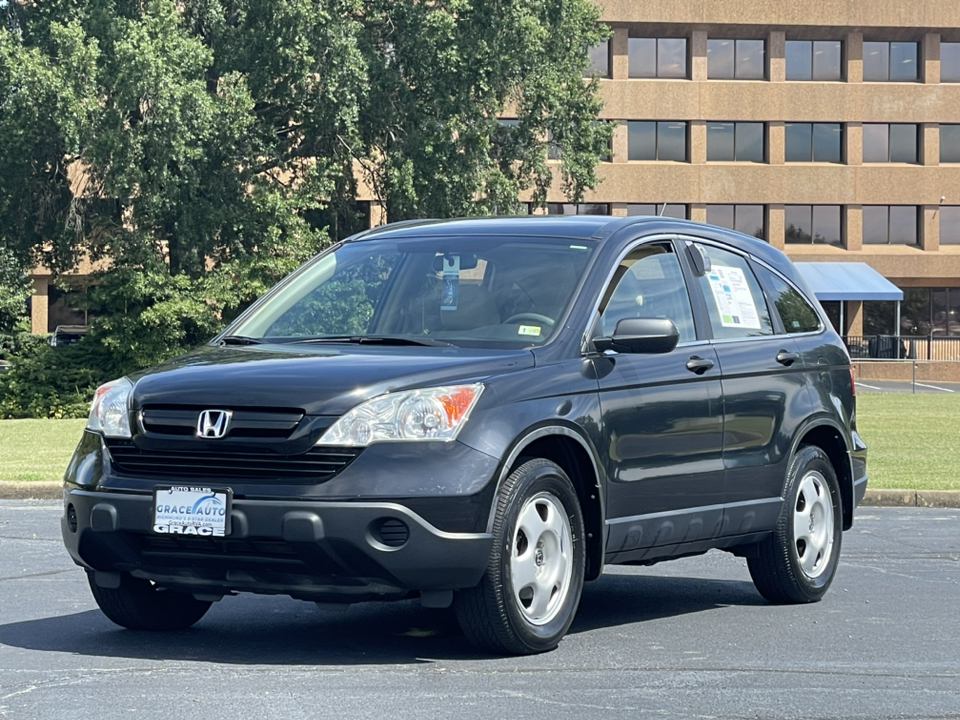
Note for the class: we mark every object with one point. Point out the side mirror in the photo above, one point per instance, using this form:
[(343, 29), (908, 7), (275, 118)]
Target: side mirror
[(699, 258), (641, 335)]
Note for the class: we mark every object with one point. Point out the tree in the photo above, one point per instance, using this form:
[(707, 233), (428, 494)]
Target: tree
[(191, 146), (15, 288)]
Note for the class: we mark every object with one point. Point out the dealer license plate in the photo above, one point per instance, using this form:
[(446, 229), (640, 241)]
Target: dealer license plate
[(199, 511)]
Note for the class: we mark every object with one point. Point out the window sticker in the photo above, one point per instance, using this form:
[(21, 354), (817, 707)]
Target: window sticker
[(529, 330), (733, 297), (451, 282)]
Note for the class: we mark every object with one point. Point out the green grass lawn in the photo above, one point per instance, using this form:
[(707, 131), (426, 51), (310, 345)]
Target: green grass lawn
[(914, 442), (37, 449)]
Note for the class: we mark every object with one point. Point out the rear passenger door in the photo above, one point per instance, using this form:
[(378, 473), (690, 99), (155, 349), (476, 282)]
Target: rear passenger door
[(763, 385)]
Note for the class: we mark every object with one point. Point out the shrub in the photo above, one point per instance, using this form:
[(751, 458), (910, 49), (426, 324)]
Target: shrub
[(49, 382)]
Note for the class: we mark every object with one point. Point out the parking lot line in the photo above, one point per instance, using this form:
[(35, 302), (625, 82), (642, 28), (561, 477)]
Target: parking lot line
[(934, 387), (871, 387)]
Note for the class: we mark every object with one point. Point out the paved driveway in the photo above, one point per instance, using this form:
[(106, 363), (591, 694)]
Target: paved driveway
[(900, 386), (680, 640)]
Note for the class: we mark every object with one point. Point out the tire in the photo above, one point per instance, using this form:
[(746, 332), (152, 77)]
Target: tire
[(140, 605), (798, 562), (531, 589)]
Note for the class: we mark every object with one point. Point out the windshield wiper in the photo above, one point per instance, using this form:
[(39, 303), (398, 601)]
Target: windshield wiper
[(377, 340), (239, 340)]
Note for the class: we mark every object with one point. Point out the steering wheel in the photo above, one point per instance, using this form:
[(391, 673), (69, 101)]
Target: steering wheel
[(535, 317)]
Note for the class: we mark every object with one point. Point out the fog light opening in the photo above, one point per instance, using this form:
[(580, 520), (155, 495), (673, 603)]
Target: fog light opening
[(72, 518), (391, 532)]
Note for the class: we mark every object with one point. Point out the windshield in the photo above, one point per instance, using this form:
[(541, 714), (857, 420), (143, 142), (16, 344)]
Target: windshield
[(472, 291)]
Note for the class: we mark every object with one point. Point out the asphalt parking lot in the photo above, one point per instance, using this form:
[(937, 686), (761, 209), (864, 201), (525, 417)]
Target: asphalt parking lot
[(685, 639), (900, 386)]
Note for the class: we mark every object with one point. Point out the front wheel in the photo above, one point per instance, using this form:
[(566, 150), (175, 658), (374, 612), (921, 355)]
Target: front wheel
[(531, 589), (140, 605), (798, 562)]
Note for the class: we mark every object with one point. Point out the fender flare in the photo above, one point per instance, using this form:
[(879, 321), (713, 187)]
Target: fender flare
[(534, 433)]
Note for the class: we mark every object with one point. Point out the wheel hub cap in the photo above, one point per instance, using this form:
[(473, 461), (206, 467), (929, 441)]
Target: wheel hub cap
[(541, 561), (813, 524)]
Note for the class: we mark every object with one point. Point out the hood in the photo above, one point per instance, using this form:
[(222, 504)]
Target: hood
[(319, 380)]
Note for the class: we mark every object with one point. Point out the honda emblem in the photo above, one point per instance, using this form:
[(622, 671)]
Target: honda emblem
[(213, 423)]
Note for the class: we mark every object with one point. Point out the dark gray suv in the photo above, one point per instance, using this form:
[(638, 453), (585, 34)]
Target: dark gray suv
[(484, 413)]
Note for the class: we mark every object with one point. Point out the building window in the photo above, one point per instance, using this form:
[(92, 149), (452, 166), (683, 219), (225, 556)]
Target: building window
[(814, 60), (814, 142), (890, 143), (890, 61), (736, 59), (950, 225), (949, 62), (599, 61), (747, 219), (578, 209), (735, 142), (930, 311), (945, 311), (657, 141), (657, 57), (809, 224), (672, 210), (890, 225), (950, 143)]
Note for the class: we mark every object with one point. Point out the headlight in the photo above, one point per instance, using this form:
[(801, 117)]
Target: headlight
[(110, 411), (431, 414)]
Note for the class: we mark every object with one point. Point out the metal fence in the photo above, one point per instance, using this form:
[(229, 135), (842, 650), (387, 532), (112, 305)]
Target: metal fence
[(903, 347)]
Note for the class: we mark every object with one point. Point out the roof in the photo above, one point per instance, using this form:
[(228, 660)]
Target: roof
[(573, 226), (847, 281)]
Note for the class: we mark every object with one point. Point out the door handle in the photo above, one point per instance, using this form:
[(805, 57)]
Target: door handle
[(699, 365), (787, 358)]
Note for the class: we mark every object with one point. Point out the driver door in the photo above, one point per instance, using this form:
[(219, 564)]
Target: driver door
[(661, 415)]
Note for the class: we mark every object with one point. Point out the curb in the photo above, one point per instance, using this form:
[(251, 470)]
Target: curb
[(873, 498)]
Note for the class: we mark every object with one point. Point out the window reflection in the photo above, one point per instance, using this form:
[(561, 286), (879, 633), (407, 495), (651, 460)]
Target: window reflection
[(665, 140), (810, 224), (672, 210), (950, 225), (890, 143), (657, 57), (735, 142), (599, 60), (578, 209), (813, 142), (949, 62), (747, 219), (890, 61), (950, 143), (890, 225), (814, 60), (736, 59)]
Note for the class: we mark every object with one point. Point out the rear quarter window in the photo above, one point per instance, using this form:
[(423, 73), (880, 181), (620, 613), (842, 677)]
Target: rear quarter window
[(796, 312)]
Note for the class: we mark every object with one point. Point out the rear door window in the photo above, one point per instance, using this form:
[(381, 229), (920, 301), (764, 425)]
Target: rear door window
[(734, 299)]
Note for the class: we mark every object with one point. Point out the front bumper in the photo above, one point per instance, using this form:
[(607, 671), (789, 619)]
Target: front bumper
[(313, 550)]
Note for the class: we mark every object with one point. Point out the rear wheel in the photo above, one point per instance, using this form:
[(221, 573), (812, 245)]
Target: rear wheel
[(140, 605), (798, 562), (531, 589)]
